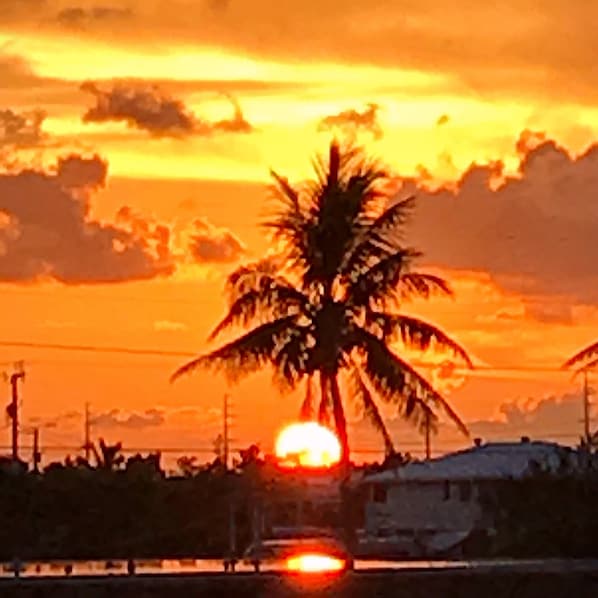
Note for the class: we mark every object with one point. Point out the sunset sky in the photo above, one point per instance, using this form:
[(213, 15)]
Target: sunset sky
[(136, 137)]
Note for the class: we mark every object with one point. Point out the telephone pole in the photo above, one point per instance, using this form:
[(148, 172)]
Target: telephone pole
[(13, 412), (87, 434), (225, 422), (586, 408), (428, 425), (37, 455)]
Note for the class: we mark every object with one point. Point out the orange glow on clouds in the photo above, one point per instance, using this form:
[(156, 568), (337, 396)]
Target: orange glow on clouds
[(307, 445), (315, 563)]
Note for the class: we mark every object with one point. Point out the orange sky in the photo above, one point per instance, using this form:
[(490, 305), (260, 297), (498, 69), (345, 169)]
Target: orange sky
[(177, 110)]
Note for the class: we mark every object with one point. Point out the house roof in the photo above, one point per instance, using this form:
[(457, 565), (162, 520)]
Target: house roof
[(495, 460)]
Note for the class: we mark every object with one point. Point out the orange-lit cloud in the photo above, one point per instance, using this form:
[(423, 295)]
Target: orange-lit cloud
[(352, 121), (210, 244), (21, 129), (78, 17), (506, 49)]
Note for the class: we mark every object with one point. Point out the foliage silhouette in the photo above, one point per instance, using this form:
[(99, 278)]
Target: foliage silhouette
[(327, 303), (586, 359)]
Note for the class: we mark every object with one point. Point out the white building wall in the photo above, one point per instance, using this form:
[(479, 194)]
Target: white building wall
[(422, 506)]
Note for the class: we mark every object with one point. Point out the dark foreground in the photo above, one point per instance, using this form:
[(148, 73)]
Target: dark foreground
[(519, 583)]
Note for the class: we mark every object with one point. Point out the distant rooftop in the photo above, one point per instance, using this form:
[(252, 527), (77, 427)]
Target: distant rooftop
[(494, 460)]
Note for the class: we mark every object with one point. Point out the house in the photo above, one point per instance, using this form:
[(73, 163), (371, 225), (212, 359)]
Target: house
[(431, 507)]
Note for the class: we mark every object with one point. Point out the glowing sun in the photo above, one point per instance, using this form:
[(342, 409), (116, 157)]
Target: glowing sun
[(307, 444)]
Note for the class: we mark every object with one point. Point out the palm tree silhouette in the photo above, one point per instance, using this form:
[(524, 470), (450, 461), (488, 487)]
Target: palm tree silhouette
[(586, 359), (326, 303)]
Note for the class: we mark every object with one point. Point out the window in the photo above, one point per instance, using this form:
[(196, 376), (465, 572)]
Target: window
[(447, 490), (379, 493), (465, 491)]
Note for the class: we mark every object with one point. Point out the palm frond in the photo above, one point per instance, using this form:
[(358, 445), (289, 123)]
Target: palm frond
[(363, 398), (291, 359), (291, 221), (377, 239), (584, 355), (380, 282), (269, 297), (286, 193), (414, 332), (248, 276), (398, 382), (419, 284), (246, 354)]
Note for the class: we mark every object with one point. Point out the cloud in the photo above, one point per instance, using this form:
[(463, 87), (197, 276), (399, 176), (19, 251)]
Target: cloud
[(167, 418), (46, 230), (542, 310), (17, 9), (149, 109), (353, 121), (21, 129), (115, 418), (15, 71), (78, 17), (146, 109), (483, 54), (547, 417), (169, 326), (209, 243), (443, 119), (535, 233), (236, 124)]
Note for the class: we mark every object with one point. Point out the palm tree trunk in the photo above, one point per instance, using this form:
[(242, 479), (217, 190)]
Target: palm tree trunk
[(339, 418), (324, 399)]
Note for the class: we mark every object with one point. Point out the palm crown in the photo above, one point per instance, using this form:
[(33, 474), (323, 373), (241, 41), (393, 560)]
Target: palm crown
[(327, 303)]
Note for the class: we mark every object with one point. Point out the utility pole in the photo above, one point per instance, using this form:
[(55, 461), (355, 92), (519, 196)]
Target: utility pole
[(37, 455), (87, 434), (13, 412), (225, 422), (586, 408), (428, 435)]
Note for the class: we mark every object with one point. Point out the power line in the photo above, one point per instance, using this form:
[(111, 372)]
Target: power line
[(97, 349), (151, 352), (104, 297)]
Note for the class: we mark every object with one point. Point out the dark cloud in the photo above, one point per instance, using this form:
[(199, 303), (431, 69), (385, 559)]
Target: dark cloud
[(22, 129), (211, 244), (147, 109), (46, 230), (79, 17), (353, 121), (535, 233), (236, 124), (115, 418), (151, 110)]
